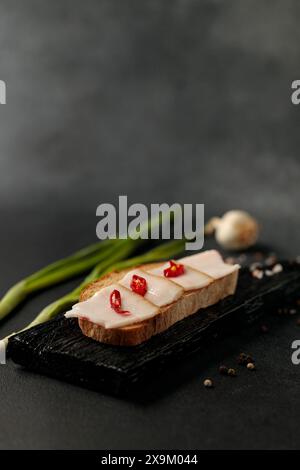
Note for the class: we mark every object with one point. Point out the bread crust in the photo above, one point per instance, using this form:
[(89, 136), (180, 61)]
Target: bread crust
[(187, 305)]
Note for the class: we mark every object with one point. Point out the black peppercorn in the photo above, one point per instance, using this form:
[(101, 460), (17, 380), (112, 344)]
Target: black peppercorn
[(244, 359), (208, 383), (223, 370)]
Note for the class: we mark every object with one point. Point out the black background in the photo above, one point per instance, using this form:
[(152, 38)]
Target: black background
[(181, 101)]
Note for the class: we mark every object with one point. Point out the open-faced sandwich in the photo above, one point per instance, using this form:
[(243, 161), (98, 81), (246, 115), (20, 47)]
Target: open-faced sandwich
[(128, 307)]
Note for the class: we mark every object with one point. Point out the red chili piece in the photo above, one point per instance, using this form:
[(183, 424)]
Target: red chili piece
[(116, 303), (174, 270), (138, 285)]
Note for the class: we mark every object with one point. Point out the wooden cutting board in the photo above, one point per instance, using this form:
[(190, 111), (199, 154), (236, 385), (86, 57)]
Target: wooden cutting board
[(59, 349)]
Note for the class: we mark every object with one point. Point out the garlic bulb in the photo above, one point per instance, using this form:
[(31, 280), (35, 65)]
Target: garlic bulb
[(236, 230)]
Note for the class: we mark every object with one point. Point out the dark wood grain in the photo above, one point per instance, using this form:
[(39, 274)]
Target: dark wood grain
[(58, 348)]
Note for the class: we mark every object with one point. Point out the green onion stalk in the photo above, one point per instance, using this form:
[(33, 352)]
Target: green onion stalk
[(61, 270), (116, 262), (100, 253)]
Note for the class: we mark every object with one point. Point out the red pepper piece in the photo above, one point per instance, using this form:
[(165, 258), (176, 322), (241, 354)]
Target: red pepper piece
[(138, 285), (174, 270), (116, 303)]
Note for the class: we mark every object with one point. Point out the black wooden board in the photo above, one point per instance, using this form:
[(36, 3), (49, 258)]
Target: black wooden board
[(59, 349)]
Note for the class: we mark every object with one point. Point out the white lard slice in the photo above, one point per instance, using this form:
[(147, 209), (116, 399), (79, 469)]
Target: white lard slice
[(189, 280), (160, 291), (211, 263), (97, 309)]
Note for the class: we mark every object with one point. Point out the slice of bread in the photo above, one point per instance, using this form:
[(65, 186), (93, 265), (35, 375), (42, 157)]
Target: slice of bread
[(188, 304)]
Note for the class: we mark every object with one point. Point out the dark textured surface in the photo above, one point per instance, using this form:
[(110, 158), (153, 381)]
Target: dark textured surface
[(59, 349), (187, 101)]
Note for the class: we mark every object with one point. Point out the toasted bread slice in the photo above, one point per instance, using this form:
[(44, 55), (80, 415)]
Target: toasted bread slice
[(187, 305)]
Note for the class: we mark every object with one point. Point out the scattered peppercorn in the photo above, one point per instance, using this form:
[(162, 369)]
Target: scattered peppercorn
[(244, 359), (269, 272), (271, 260), (255, 266), (258, 274), (264, 328), (242, 258), (208, 383), (277, 268), (251, 366), (283, 311), (231, 372), (223, 370), (258, 255)]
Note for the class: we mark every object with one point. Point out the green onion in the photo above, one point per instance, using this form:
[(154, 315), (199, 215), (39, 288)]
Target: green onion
[(61, 270), (77, 263), (69, 299), (116, 262), (77, 256)]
